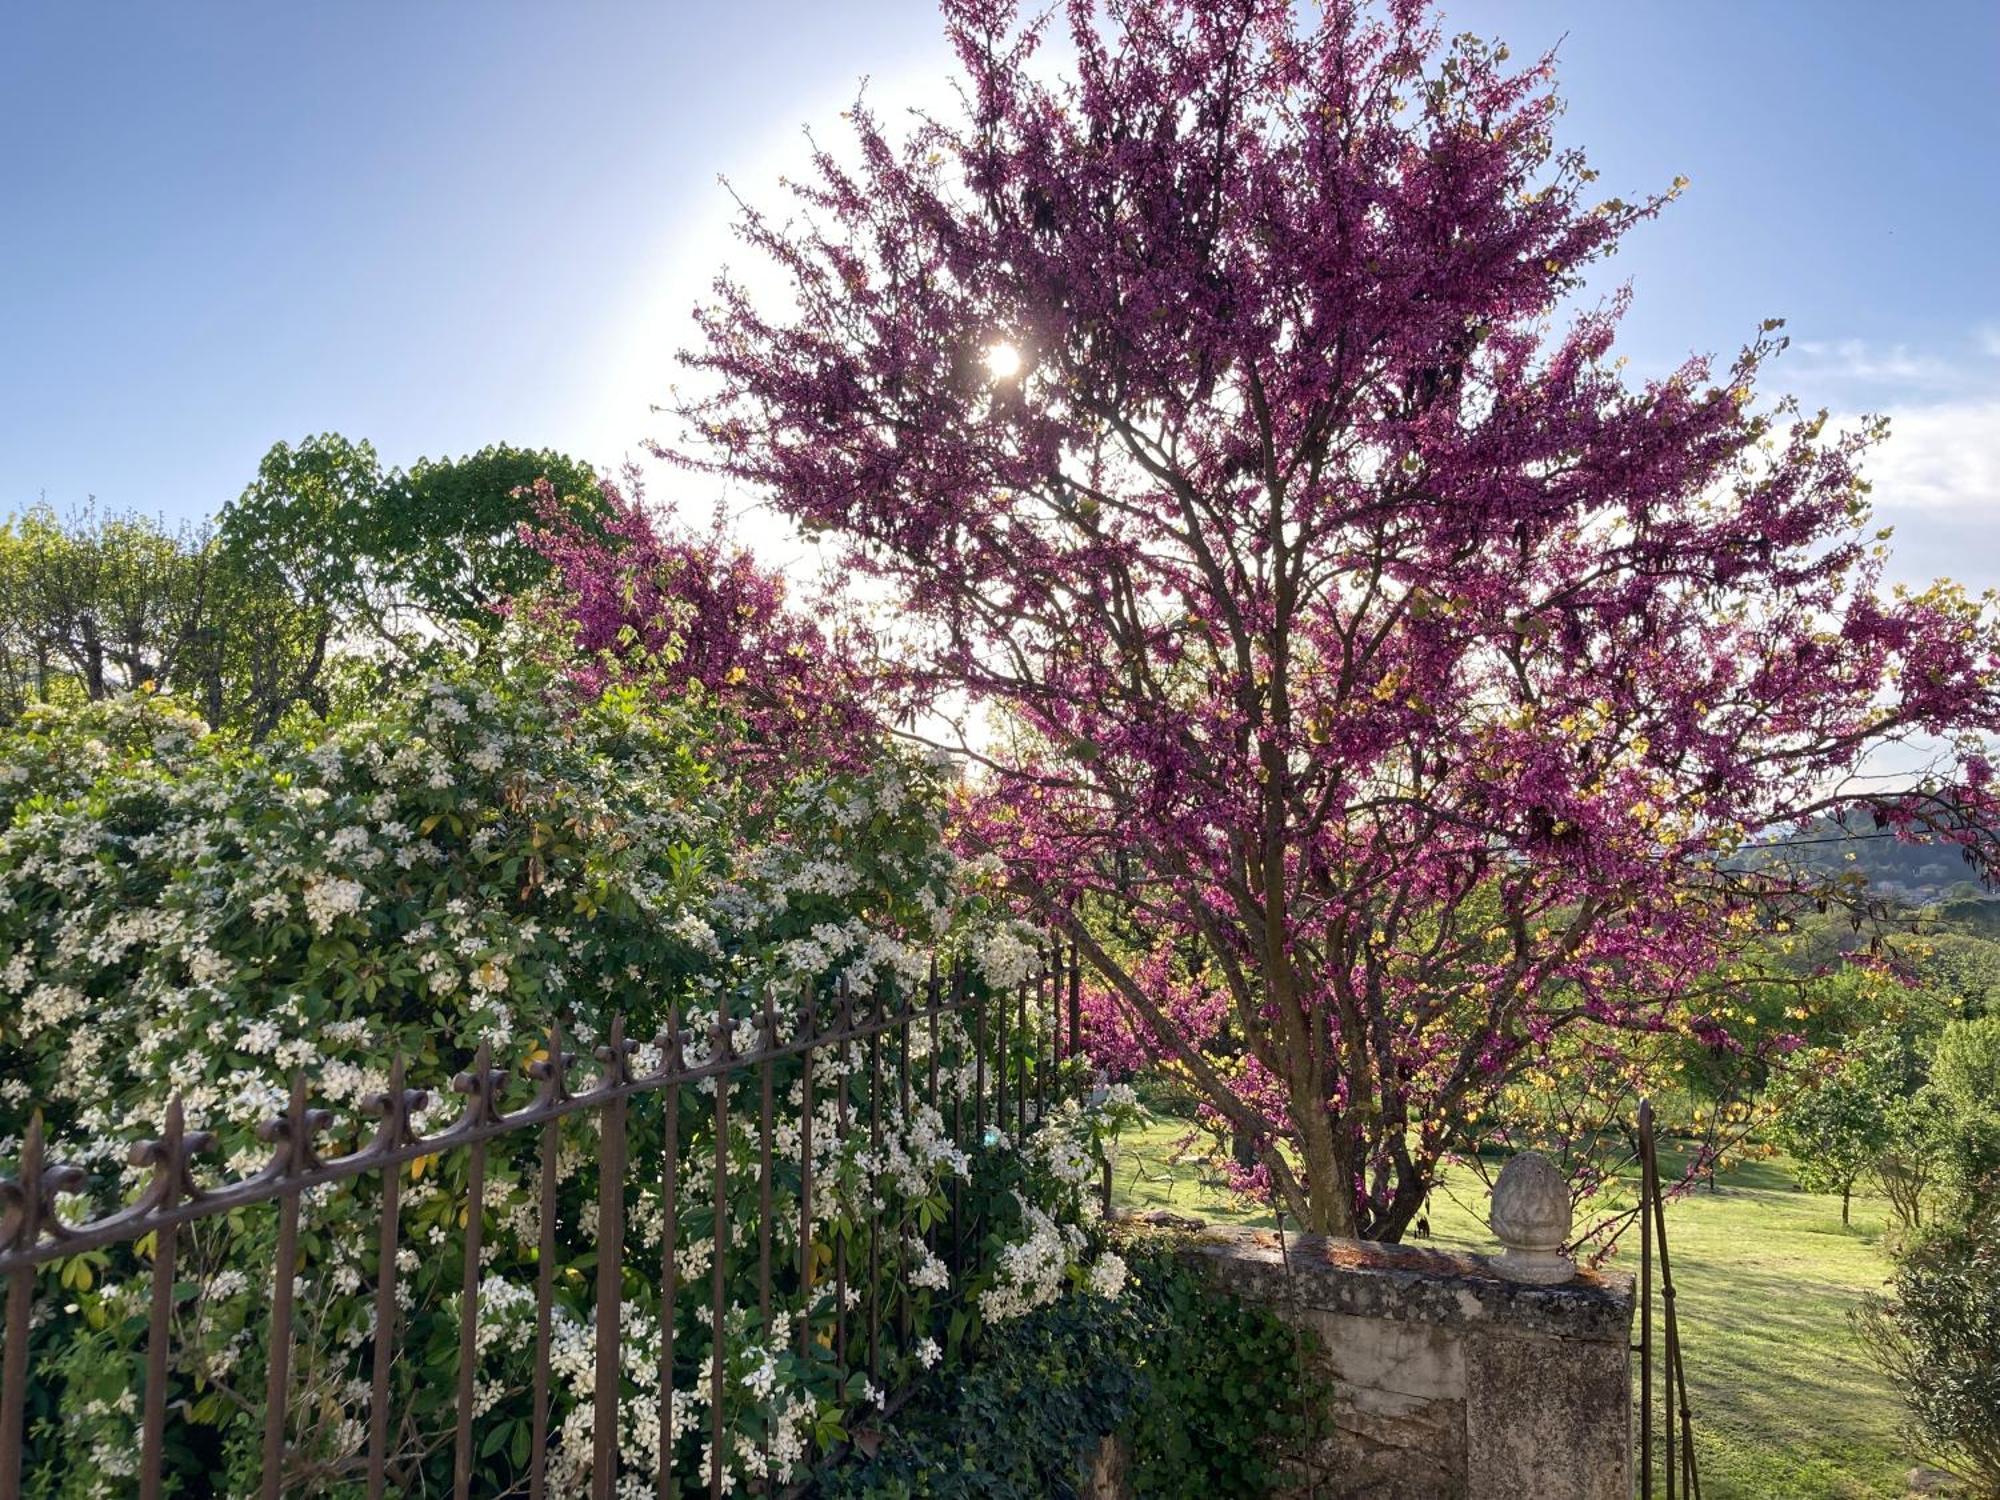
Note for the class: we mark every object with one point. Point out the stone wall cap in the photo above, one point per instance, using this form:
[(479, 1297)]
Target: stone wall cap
[(1447, 1287)]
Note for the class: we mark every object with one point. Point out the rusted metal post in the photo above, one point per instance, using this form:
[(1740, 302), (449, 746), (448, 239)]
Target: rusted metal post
[(615, 1057), (1647, 1189), (718, 1281), (25, 1214), (673, 1062), (551, 1070), (167, 1158), (806, 1252)]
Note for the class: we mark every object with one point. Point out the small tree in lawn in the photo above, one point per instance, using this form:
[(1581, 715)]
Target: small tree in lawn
[(1841, 1125), (1374, 682)]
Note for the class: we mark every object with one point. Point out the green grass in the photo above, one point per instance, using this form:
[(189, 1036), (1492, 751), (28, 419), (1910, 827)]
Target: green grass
[(1786, 1404)]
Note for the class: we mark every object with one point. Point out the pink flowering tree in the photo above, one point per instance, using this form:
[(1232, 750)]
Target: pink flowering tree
[(641, 599), (1376, 683)]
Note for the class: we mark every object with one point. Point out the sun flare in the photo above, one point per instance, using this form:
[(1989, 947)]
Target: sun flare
[(1003, 361)]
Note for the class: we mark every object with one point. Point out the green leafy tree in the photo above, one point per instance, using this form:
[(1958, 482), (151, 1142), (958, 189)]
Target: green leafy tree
[(1913, 1155), (1837, 1130), (1961, 964), (300, 523), (1965, 1076), (94, 606), (450, 541), (403, 558)]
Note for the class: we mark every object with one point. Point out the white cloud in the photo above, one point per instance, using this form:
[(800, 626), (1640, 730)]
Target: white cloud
[(1936, 478), (1857, 361), (1942, 458), (1937, 482)]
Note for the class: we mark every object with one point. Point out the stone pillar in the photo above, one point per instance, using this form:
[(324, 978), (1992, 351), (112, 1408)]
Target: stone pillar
[(1446, 1377)]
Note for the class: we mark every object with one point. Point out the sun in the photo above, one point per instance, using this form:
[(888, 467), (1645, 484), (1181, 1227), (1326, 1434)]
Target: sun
[(1003, 361)]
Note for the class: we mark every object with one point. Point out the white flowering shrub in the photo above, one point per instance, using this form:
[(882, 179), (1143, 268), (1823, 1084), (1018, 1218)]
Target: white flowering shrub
[(183, 918)]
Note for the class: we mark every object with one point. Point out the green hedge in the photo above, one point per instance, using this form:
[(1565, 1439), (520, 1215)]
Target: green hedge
[(1206, 1387)]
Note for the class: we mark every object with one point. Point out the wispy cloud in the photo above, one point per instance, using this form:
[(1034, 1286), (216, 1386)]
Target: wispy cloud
[(1859, 362)]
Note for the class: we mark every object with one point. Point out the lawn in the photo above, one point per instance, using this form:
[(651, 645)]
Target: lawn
[(1786, 1405)]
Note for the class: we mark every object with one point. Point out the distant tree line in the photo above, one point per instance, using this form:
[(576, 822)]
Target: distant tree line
[(328, 569)]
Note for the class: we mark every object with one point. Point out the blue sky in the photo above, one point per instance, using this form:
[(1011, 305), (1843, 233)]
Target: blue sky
[(441, 225)]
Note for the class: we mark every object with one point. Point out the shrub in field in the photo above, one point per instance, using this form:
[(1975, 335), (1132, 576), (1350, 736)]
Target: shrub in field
[(181, 918), (1938, 1337), (1965, 1075)]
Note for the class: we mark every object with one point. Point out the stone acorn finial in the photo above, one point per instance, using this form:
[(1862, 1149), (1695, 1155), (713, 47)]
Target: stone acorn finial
[(1531, 1217)]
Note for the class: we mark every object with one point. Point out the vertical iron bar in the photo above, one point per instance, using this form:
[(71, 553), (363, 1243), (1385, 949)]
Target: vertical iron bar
[(1052, 1010), (1077, 1081), (1646, 1188), (468, 1316), (1045, 1041), (394, 1107), (806, 1266), (1000, 1070), (1053, 1090), (718, 1261), (765, 1109), (958, 1115), (905, 1017), (159, 1328), (295, 1152), (553, 1072), (545, 1297), (14, 1378), (932, 995), (906, 1021), (1675, 1382), (979, 1071), (1023, 1046), (1104, 1175), (768, 1044), (670, 1236), (277, 1379), (20, 1315), (840, 1131), (610, 1262), (1658, 1211), (874, 1219)]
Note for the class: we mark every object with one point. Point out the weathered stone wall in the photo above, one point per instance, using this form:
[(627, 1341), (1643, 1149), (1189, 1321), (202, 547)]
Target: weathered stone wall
[(1446, 1380)]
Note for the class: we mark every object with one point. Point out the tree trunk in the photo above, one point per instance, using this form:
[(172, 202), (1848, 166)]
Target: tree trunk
[(1242, 1150), (1329, 1174), (1846, 1192)]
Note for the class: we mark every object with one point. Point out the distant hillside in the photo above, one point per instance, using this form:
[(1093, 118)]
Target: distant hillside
[(1911, 874)]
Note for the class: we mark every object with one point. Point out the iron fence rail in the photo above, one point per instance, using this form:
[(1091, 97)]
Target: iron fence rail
[(1046, 1028)]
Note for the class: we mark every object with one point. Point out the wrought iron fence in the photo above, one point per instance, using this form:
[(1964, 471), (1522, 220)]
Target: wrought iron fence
[(1674, 1447), (1021, 1063)]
